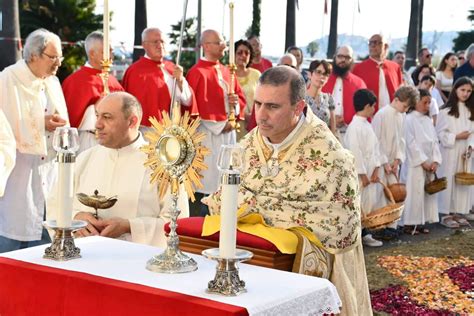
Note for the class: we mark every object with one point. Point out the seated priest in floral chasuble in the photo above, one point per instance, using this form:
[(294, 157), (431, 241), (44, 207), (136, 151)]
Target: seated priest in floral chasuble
[(299, 178)]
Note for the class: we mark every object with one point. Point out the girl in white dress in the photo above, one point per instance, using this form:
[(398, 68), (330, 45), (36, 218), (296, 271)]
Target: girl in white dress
[(423, 157), (455, 130)]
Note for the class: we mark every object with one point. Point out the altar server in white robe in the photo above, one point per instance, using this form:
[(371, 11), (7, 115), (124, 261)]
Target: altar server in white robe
[(455, 129), (388, 126), (361, 140), (422, 161), (7, 151), (115, 168), (33, 103)]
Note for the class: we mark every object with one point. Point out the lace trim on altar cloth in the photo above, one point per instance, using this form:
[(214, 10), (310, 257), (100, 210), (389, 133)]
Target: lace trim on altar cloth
[(309, 304)]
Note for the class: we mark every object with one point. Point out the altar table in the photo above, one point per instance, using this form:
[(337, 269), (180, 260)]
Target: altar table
[(111, 279)]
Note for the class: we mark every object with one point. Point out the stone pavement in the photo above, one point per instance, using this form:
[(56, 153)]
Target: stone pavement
[(437, 231)]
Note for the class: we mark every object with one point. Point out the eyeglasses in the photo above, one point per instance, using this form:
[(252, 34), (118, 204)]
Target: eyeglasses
[(345, 57), (428, 56), (243, 52), (375, 42), (54, 58), (217, 43), (321, 73), (156, 42)]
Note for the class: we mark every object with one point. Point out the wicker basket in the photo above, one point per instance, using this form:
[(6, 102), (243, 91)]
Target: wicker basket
[(382, 217), (464, 178), (436, 185), (398, 191)]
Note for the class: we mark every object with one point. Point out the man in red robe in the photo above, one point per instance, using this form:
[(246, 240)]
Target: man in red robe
[(151, 78), (84, 88), (342, 84), (258, 62), (210, 81), (382, 76)]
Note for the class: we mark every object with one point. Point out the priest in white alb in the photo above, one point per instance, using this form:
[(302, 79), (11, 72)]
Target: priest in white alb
[(115, 168), (299, 177)]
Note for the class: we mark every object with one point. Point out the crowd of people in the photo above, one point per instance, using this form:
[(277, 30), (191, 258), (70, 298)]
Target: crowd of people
[(318, 142)]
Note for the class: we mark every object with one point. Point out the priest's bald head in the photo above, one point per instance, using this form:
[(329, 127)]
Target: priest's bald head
[(118, 118), (213, 45), (279, 102)]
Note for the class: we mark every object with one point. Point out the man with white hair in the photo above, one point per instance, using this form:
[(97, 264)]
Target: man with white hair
[(467, 69), (342, 84), (288, 60), (34, 106), (84, 88), (150, 79), (382, 76)]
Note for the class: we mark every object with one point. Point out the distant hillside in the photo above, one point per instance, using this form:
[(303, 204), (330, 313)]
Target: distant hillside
[(438, 42)]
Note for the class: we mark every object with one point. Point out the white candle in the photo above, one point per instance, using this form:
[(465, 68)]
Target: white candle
[(65, 194), (231, 35), (106, 30), (228, 231)]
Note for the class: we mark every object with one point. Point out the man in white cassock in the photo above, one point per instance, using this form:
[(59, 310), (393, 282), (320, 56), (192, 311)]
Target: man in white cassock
[(361, 140), (7, 151), (33, 103), (115, 168), (298, 176)]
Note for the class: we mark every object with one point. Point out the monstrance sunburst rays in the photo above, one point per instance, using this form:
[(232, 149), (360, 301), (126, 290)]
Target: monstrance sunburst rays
[(175, 153)]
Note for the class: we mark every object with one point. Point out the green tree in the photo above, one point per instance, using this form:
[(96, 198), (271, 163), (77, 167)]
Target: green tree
[(188, 54), (71, 20), (312, 48), (254, 29), (465, 38)]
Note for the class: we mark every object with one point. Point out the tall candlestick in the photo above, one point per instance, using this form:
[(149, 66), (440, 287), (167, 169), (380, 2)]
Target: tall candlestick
[(231, 35), (228, 231), (106, 30)]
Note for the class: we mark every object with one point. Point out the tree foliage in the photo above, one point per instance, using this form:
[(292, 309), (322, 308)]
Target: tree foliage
[(188, 54), (465, 38), (254, 29), (71, 20), (312, 48)]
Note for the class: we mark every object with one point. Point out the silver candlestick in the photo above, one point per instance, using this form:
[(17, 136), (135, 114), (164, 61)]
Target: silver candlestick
[(63, 248), (227, 281)]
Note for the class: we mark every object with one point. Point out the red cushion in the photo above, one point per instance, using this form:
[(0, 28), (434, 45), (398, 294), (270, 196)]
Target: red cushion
[(192, 227)]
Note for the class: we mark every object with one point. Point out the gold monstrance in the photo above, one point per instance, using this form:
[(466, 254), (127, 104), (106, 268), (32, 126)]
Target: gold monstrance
[(175, 156)]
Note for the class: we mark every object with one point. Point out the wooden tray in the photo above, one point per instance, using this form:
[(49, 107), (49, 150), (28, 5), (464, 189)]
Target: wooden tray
[(263, 258)]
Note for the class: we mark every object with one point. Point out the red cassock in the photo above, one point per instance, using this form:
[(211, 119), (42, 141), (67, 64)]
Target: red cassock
[(145, 80), (83, 88), (204, 80), (368, 70), (350, 84), (263, 65)]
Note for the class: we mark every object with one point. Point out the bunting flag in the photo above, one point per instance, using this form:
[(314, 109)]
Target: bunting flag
[(325, 6)]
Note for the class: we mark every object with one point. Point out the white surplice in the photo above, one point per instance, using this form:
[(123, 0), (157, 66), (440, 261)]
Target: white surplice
[(456, 198), (361, 140), (26, 99), (422, 146), (121, 173), (7, 151), (388, 127)]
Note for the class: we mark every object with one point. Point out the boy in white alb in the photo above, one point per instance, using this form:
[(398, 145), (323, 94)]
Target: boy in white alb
[(362, 141)]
